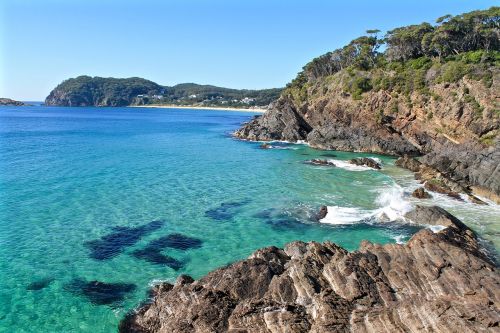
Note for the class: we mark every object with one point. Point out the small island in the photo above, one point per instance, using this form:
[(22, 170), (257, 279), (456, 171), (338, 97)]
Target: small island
[(10, 102)]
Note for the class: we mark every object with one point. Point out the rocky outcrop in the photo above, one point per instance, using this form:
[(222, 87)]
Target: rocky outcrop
[(420, 193), (366, 161), (10, 102), (320, 162), (323, 211), (285, 123), (441, 182), (453, 126), (437, 282)]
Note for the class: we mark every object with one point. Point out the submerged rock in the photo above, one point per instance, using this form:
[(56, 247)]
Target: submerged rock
[(366, 161), (101, 293), (226, 210), (39, 284), (265, 146), (420, 193), (153, 251), (113, 244), (437, 281)]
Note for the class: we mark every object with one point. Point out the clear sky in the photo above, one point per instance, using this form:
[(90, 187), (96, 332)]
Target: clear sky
[(237, 43)]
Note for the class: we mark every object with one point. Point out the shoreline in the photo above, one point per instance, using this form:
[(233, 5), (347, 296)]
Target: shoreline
[(159, 106)]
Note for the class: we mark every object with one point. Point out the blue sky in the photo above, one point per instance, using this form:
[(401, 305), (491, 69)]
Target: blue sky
[(240, 44)]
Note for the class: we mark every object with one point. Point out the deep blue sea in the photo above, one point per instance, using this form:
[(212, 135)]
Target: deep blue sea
[(96, 204)]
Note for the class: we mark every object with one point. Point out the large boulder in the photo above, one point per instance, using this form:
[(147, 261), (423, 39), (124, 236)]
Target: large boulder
[(439, 282)]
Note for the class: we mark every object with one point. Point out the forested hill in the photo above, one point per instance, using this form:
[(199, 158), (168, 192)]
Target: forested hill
[(99, 91)]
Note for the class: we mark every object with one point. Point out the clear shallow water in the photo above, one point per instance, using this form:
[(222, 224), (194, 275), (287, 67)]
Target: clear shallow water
[(70, 177)]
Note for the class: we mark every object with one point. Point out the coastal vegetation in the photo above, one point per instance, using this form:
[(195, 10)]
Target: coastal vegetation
[(466, 45), (428, 90), (99, 91)]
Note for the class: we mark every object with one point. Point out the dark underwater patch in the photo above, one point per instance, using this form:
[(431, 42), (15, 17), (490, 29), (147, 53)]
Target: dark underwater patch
[(328, 155), (285, 223), (176, 241), (39, 284), (279, 220), (101, 293), (113, 244), (158, 258), (226, 210), (152, 252)]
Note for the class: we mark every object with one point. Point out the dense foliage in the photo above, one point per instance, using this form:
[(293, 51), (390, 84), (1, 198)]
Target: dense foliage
[(466, 44), (86, 90), (191, 93), (98, 91)]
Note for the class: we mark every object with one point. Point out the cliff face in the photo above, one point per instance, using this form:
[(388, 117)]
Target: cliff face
[(438, 282), (454, 125)]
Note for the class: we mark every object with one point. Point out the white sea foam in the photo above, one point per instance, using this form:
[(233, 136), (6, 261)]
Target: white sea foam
[(393, 204), (436, 228), (376, 159), (399, 239), (392, 207), (345, 215), (348, 166)]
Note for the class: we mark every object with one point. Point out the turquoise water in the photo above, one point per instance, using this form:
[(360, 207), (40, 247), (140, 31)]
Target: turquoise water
[(130, 196)]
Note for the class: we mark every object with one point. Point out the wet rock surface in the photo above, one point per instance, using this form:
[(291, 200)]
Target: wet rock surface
[(323, 211), (320, 162), (439, 282), (366, 161), (420, 193)]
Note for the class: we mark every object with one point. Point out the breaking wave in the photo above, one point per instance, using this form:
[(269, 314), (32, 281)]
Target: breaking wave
[(392, 207)]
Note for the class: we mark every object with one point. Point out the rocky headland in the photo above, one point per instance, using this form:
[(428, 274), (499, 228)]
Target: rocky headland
[(431, 98), (10, 102), (437, 282), (99, 91), (408, 100)]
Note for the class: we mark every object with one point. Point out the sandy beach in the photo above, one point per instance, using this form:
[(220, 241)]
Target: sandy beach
[(197, 108)]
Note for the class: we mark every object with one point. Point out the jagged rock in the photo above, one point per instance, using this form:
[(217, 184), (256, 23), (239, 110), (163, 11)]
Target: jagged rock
[(323, 211), (455, 141), (284, 123), (409, 163), (420, 193), (265, 146), (438, 282), (316, 161), (366, 161), (435, 185), (456, 231)]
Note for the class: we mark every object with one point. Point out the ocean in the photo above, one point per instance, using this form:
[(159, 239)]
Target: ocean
[(98, 204)]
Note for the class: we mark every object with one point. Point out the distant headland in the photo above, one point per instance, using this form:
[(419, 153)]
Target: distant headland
[(99, 91), (10, 102)]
